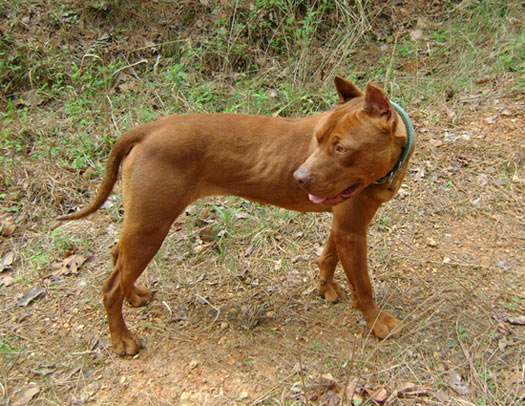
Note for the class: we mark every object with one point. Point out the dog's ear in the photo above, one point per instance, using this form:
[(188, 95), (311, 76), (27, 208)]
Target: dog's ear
[(376, 102), (346, 89)]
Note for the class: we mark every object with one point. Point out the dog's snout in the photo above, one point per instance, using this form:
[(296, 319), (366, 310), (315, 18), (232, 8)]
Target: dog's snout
[(302, 176)]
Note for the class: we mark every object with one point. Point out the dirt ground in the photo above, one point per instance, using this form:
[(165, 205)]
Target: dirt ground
[(236, 318)]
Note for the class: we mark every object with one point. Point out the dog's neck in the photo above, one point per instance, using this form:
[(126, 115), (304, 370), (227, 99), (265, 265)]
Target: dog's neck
[(405, 131)]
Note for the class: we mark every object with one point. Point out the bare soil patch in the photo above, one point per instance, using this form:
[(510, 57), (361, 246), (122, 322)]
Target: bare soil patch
[(236, 318)]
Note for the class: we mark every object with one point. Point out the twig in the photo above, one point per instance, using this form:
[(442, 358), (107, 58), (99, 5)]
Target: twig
[(83, 352), (217, 310), (129, 66), (301, 375), (469, 359), (112, 115), (156, 65), (269, 391), (168, 307), (389, 68), (90, 56)]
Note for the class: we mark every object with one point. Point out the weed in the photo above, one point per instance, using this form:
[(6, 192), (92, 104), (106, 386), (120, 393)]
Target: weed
[(513, 303), (463, 334), (316, 346), (63, 243), (6, 349)]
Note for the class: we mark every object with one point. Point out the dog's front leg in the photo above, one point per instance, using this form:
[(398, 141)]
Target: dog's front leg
[(349, 231), (329, 289)]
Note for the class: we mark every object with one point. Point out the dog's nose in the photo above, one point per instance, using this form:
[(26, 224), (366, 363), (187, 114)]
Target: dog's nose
[(302, 176)]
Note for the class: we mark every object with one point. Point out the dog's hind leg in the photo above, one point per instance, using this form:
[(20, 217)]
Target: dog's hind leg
[(151, 203), (138, 295), (328, 288), (137, 245)]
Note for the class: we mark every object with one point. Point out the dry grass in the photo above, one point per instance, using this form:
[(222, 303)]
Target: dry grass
[(236, 318)]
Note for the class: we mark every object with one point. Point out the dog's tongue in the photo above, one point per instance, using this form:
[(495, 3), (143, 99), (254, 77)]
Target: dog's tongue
[(316, 199)]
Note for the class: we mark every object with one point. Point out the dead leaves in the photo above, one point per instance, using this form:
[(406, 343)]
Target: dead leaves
[(24, 395), (7, 226), (409, 389), (6, 280), (329, 392), (457, 383), (516, 320), (31, 295), (7, 261), (69, 265)]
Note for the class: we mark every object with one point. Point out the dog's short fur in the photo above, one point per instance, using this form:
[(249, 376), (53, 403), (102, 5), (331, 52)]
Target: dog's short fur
[(325, 162)]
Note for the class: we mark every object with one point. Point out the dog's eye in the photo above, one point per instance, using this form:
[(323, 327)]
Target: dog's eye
[(340, 149)]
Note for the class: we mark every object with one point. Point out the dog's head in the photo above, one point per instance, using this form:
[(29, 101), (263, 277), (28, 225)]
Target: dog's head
[(356, 143)]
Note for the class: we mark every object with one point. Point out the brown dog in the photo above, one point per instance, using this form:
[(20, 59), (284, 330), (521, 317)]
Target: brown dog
[(327, 162)]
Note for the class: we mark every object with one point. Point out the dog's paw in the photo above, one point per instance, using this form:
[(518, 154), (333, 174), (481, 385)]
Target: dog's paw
[(384, 325), (331, 291), (139, 296), (125, 345)]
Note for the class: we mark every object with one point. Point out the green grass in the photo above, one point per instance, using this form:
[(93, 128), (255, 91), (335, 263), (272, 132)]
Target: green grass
[(481, 40), (265, 59)]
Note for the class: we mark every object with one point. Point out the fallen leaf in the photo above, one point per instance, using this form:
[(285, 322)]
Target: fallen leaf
[(7, 261), (70, 265), (409, 389), (416, 35), (299, 258), (442, 396), (518, 320), (278, 265), (419, 173), (249, 250), (503, 328), (7, 280), (86, 393), (328, 381), (351, 388), (503, 343), (513, 377), (457, 383), (451, 114), (503, 265), (208, 234), (44, 370), (380, 395), (483, 180), (7, 225), (491, 119), (272, 93), (476, 203), (24, 395), (436, 143), (330, 398), (29, 296)]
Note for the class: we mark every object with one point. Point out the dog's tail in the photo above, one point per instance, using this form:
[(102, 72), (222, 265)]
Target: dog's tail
[(121, 148)]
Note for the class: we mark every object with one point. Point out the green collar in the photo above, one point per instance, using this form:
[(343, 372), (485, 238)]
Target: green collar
[(406, 148)]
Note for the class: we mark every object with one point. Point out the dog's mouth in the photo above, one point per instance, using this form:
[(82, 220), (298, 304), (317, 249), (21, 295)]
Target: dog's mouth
[(349, 192)]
